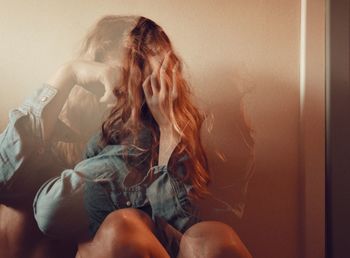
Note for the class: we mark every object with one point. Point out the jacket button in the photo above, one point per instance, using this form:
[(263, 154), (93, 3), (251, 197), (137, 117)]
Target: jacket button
[(44, 99), (128, 203)]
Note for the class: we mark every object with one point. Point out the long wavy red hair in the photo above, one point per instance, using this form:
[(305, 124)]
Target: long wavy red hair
[(130, 113)]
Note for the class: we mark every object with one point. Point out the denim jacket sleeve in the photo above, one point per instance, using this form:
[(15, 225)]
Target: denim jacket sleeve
[(58, 206), (93, 148), (170, 200), (21, 142)]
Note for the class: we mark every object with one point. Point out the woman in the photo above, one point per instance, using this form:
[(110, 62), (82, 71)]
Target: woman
[(133, 195)]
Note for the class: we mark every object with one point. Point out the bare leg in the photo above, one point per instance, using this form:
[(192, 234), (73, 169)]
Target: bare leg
[(20, 237), (124, 233), (212, 239)]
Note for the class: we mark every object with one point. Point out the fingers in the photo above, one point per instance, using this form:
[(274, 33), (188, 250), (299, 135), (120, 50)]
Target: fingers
[(162, 73), (154, 83), (108, 76), (174, 92), (165, 63), (147, 89), (108, 96), (162, 85)]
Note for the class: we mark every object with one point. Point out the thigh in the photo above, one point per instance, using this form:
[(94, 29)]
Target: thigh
[(212, 239), (20, 237)]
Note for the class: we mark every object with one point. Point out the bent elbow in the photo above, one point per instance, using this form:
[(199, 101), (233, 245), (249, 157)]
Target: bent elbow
[(60, 214), (46, 212)]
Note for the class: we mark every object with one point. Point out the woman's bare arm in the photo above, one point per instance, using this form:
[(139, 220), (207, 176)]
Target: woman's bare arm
[(160, 103), (169, 138), (63, 81), (87, 74)]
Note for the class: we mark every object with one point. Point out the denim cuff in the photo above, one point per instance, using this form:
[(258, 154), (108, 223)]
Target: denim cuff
[(159, 169)]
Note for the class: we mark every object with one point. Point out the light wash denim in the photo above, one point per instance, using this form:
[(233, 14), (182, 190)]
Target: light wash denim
[(74, 202)]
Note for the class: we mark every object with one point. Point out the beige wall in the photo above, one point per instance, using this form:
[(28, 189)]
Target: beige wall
[(227, 46), (313, 132)]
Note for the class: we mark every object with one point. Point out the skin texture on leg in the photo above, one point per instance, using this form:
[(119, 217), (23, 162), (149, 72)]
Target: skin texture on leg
[(21, 238), (124, 233), (211, 239)]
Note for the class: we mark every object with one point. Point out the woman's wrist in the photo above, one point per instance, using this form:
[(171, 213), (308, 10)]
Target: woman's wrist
[(169, 138), (63, 81), (167, 129), (169, 133), (64, 78)]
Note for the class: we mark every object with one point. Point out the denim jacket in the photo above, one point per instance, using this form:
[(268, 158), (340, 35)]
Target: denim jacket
[(74, 202), (26, 161)]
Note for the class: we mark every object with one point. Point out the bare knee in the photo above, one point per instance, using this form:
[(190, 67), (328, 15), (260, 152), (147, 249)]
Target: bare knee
[(121, 234), (125, 222), (212, 239)]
